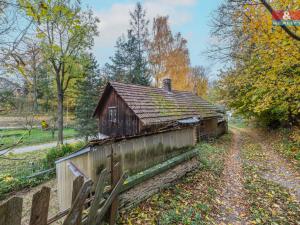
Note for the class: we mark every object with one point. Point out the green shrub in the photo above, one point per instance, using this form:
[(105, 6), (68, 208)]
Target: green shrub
[(55, 153)]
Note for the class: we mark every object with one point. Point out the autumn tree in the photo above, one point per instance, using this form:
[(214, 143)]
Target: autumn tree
[(14, 27), (169, 55), (130, 63), (199, 80), (160, 46), (28, 62), (65, 32), (263, 81)]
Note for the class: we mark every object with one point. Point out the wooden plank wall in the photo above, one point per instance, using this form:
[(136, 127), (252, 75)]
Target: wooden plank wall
[(135, 155), (127, 122), (207, 129)]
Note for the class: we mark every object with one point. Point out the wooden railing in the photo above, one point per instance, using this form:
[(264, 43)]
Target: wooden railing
[(97, 206), (104, 202)]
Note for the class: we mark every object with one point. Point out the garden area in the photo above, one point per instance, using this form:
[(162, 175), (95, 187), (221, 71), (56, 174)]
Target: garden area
[(26, 170)]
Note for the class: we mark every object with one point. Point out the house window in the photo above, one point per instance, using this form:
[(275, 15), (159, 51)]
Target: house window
[(112, 114)]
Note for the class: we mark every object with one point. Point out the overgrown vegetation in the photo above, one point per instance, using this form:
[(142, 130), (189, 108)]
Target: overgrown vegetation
[(263, 81), (269, 202), (287, 143), (19, 171), (190, 201)]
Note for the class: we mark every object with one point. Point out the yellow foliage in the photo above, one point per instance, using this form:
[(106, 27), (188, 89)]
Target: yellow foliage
[(266, 77)]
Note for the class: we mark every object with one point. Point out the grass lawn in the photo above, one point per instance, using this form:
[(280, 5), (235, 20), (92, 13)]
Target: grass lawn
[(37, 136)]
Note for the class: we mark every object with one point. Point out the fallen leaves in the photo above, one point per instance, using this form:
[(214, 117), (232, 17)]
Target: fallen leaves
[(190, 201)]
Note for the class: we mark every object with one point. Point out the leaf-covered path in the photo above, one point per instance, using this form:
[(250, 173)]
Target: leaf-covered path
[(240, 180), (275, 168), (271, 184), (232, 198)]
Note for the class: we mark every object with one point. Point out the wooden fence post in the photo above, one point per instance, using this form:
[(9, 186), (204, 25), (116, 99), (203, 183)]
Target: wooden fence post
[(77, 185), (11, 211), (91, 220), (102, 211), (40, 207), (116, 174), (76, 208)]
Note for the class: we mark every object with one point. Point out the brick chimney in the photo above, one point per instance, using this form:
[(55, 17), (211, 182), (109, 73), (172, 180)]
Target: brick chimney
[(167, 84)]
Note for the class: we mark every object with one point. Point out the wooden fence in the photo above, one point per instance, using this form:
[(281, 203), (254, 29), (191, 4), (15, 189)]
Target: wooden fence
[(135, 155), (11, 210), (102, 203)]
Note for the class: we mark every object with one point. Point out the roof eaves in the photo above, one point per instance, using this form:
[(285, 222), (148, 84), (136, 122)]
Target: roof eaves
[(106, 89)]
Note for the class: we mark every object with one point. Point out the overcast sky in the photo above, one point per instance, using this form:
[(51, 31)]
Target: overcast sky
[(190, 17)]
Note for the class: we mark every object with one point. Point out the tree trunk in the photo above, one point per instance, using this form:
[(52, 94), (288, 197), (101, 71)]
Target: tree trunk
[(35, 95), (60, 117)]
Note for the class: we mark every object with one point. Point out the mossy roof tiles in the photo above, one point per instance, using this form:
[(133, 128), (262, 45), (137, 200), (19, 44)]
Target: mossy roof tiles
[(156, 105)]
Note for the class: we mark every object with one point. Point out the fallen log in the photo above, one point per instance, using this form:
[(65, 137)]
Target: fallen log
[(148, 188)]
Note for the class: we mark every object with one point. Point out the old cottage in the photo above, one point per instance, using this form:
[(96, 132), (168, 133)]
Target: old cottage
[(150, 126), (127, 110)]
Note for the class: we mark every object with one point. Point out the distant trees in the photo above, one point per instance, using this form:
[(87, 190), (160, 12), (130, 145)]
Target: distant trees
[(87, 99), (199, 80), (169, 57), (141, 57), (130, 64)]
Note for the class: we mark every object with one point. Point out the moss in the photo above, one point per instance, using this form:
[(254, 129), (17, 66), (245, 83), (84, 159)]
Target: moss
[(142, 159), (99, 169), (164, 105), (140, 155), (130, 158)]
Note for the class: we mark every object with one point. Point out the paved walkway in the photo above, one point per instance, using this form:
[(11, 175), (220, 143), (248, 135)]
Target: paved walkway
[(38, 147)]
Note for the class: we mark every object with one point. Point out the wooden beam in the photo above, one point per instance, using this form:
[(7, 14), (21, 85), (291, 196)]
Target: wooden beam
[(40, 207), (157, 169), (91, 220), (11, 211), (77, 185), (76, 171), (76, 208)]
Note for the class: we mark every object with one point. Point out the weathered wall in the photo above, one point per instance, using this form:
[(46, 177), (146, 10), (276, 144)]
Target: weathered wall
[(135, 155), (127, 123), (207, 129), (222, 128)]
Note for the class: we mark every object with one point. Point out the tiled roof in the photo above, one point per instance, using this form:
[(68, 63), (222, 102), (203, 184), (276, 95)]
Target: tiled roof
[(156, 105)]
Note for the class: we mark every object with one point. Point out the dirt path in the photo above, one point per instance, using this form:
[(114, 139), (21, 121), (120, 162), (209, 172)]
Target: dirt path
[(276, 168), (272, 167), (232, 199)]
